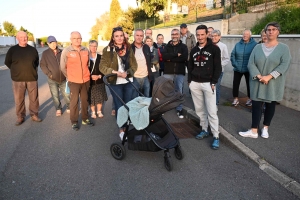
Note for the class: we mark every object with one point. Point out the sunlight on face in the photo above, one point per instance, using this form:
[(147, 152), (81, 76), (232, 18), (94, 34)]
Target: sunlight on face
[(201, 36), (22, 38), (118, 37), (149, 42), (52, 45)]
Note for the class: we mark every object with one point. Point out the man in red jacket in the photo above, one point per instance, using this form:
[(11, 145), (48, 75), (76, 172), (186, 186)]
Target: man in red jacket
[(74, 64)]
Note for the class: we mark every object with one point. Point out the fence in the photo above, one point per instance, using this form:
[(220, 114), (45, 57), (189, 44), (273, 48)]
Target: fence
[(7, 41), (220, 9)]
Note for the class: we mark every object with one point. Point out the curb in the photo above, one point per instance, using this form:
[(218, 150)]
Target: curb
[(284, 180)]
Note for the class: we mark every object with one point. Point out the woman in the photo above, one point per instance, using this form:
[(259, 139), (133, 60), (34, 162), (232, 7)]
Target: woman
[(97, 92), (154, 60), (263, 37), (267, 66), (118, 58), (239, 60)]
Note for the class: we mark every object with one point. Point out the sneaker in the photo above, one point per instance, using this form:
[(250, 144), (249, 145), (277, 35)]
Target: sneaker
[(235, 102), (93, 115), (215, 144), (75, 127), (68, 110), (99, 113), (264, 133), (248, 133), (87, 122), (121, 135), (202, 135), (249, 102), (180, 114)]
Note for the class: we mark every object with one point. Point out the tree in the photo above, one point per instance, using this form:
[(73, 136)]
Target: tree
[(9, 28), (151, 7), (115, 17), (100, 27)]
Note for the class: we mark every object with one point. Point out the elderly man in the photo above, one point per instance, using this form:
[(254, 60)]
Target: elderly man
[(175, 57), (23, 62), (187, 37), (143, 75), (56, 80), (74, 64), (225, 59)]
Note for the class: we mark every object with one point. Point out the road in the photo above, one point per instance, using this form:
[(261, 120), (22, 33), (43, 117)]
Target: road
[(49, 160)]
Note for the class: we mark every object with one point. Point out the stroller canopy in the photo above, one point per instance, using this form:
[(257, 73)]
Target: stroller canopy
[(164, 96)]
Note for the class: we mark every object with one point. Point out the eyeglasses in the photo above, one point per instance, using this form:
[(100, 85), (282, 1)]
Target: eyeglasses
[(117, 29), (215, 36), (273, 29)]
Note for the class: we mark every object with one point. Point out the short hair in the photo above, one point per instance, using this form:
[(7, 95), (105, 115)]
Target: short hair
[(148, 29), (202, 27), (262, 32), (247, 30), (93, 41), (159, 35), (139, 29), (275, 24), (175, 29), (216, 32), (211, 28), (148, 38)]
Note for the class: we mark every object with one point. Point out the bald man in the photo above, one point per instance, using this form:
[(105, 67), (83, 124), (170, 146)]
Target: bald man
[(23, 61), (74, 64)]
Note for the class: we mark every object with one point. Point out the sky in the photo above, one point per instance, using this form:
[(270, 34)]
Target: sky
[(56, 17)]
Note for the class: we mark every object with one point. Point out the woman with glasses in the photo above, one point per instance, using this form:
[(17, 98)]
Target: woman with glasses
[(118, 58), (267, 66), (97, 92)]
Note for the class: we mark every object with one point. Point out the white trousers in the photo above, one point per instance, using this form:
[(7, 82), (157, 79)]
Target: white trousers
[(204, 99)]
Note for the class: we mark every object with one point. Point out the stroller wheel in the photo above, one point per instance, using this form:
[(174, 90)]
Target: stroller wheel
[(117, 150), (178, 152), (168, 164)]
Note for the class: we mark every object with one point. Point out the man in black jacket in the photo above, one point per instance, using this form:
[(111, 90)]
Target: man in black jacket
[(204, 70), (175, 56), (50, 65), (143, 75)]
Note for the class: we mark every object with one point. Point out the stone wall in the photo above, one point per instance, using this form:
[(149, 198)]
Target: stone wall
[(238, 23)]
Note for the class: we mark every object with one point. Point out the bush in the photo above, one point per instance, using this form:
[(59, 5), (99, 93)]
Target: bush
[(287, 17)]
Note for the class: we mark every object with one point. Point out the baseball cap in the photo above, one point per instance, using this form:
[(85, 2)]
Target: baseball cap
[(183, 26), (51, 39)]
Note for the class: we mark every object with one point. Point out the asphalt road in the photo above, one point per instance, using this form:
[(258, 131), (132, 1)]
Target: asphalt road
[(49, 160)]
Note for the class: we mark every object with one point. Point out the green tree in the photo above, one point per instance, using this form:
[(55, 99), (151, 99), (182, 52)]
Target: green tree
[(9, 28), (115, 18), (151, 7)]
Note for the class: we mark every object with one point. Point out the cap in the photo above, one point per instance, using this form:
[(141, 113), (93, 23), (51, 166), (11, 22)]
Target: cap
[(183, 26), (51, 39)]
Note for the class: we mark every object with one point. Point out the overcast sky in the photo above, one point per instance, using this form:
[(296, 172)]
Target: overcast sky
[(56, 17)]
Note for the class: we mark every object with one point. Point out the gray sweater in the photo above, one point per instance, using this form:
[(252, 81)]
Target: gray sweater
[(279, 60)]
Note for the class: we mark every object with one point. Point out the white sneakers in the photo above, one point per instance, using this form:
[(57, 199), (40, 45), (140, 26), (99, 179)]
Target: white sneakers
[(235, 102), (248, 133), (264, 133)]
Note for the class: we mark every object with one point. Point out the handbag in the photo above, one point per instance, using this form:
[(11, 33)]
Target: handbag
[(67, 89)]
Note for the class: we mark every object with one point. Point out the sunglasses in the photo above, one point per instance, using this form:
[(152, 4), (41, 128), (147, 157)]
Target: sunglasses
[(117, 29)]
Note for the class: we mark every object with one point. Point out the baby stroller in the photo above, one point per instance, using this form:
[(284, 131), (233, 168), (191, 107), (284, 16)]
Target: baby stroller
[(158, 135)]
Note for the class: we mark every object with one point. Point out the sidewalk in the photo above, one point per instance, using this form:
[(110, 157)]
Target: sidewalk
[(278, 156)]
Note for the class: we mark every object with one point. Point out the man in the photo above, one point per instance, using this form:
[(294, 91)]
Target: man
[(56, 79), (175, 57), (23, 61), (148, 32), (187, 37), (161, 47), (204, 71), (143, 75), (216, 37), (210, 29), (74, 64)]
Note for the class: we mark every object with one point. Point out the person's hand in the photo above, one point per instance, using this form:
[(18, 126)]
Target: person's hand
[(124, 74), (179, 54), (265, 79), (213, 87), (95, 77)]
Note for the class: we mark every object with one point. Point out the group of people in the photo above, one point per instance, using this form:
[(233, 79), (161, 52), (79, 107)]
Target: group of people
[(204, 57)]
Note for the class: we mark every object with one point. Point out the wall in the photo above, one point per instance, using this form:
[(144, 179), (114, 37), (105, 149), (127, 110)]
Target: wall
[(7, 41), (238, 23)]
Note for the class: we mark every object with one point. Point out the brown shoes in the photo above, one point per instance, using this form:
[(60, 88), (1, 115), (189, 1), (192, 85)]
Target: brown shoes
[(35, 118), (19, 121)]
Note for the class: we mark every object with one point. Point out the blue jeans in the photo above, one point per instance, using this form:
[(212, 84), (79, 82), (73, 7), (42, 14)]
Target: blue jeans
[(54, 89), (218, 88), (143, 85), (124, 91), (178, 81)]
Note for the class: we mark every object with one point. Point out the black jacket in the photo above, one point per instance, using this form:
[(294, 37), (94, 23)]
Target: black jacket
[(96, 70), (205, 64), (147, 54), (50, 65), (175, 64)]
